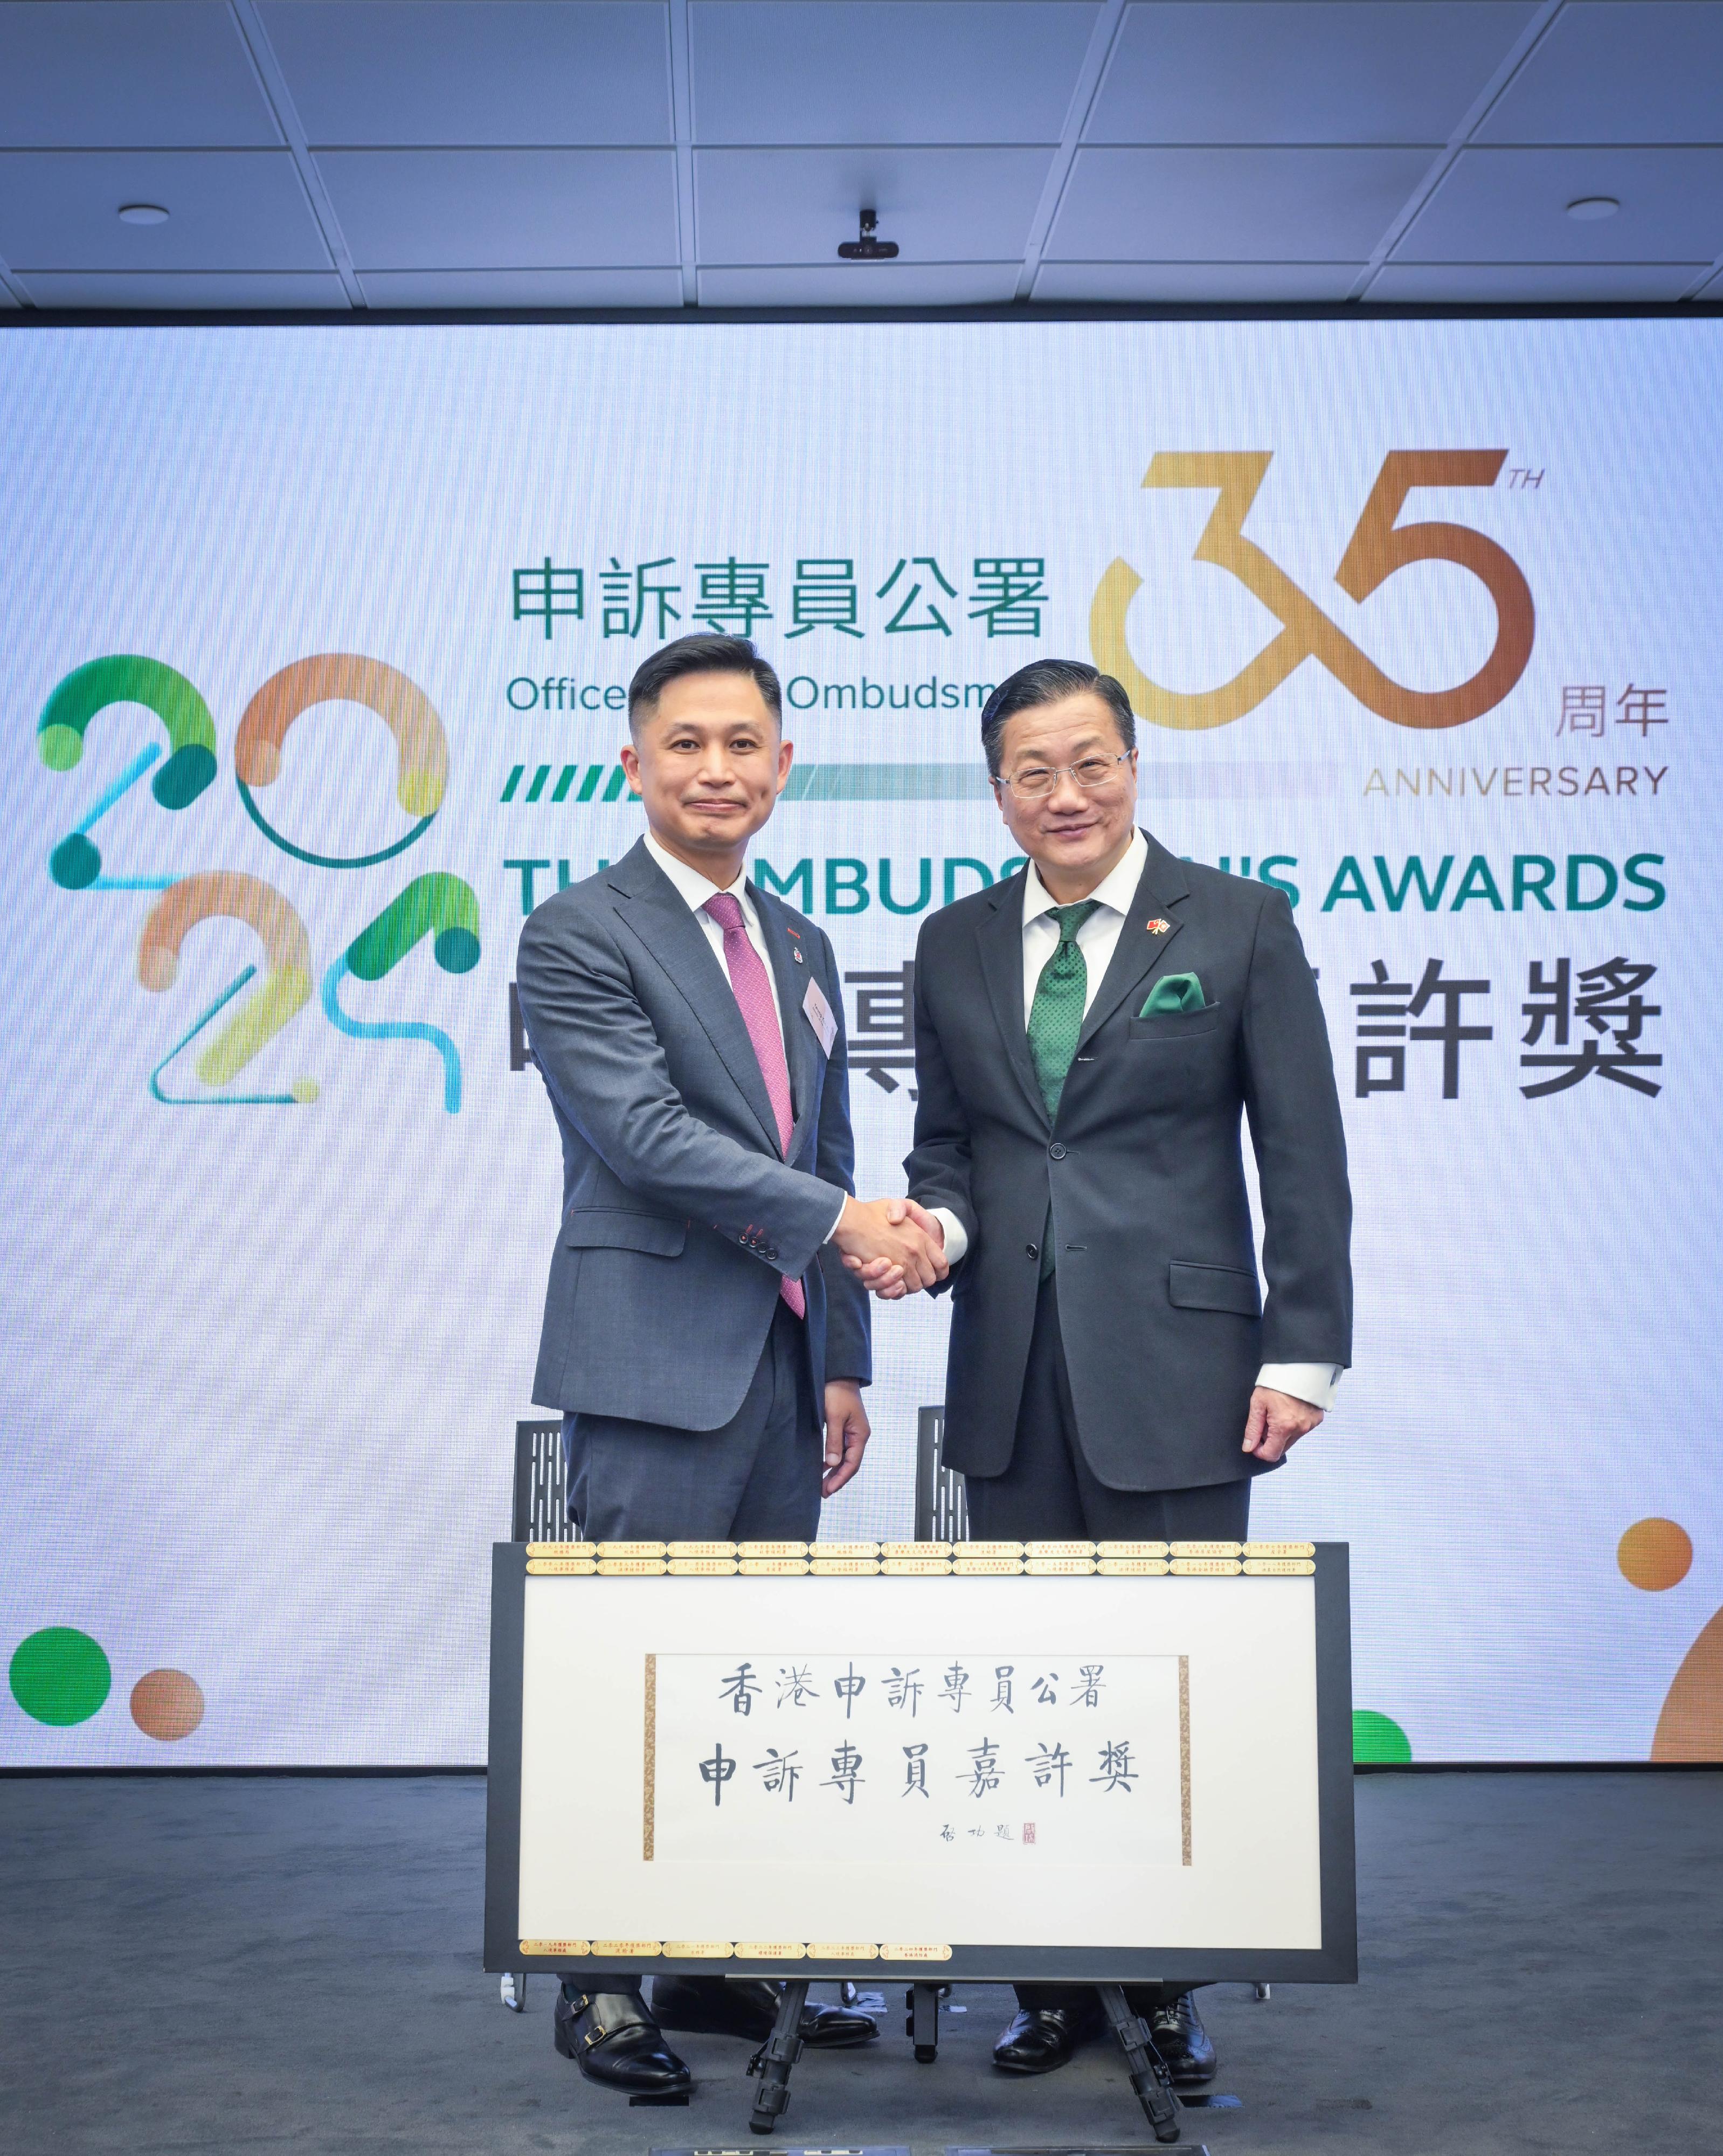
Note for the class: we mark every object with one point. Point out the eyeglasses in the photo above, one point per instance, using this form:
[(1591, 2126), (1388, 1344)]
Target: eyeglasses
[(1036, 781)]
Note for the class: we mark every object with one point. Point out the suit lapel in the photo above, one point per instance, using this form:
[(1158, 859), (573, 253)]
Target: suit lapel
[(801, 1050), (1000, 937), (1138, 954), (678, 944)]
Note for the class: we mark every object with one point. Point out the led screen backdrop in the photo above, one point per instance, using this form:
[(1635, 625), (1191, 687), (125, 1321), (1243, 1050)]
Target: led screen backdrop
[(316, 642)]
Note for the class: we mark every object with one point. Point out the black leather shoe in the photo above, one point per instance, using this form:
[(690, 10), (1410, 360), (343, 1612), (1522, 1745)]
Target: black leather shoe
[(1183, 2042), (749, 2007), (612, 2039), (1037, 2039)]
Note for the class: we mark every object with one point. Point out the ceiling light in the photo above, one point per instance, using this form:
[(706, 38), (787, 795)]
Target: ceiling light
[(1589, 209), (143, 213), (869, 247)]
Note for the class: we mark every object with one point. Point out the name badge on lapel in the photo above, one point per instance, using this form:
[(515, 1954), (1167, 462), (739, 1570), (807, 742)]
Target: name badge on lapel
[(819, 1016)]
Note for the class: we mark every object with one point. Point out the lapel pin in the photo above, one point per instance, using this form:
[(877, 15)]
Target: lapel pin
[(796, 953), (1157, 927)]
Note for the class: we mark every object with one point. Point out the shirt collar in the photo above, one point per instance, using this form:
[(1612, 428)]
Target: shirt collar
[(692, 887), (1116, 889)]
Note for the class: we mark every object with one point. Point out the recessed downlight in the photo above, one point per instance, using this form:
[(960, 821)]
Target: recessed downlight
[(1590, 208), (142, 213)]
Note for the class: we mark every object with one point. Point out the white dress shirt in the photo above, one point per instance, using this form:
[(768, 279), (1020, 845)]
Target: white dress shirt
[(694, 889), (1097, 939)]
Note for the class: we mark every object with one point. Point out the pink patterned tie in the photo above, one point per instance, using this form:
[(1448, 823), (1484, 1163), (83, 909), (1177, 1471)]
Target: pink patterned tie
[(753, 994)]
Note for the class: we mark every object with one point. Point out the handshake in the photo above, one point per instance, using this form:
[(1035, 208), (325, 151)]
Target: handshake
[(892, 1244)]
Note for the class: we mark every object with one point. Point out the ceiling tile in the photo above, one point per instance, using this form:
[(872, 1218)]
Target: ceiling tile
[(862, 284), (191, 289), (504, 210), (1301, 70), (767, 71), (101, 73), (1648, 71), (452, 74), (522, 288), (1248, 205), (227, 209), (1511, 206), (781, 206), (1206, 283), (1507, 284)]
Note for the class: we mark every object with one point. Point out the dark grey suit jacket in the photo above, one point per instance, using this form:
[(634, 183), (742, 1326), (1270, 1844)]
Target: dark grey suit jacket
[(679, 1210), (1163, 1327)]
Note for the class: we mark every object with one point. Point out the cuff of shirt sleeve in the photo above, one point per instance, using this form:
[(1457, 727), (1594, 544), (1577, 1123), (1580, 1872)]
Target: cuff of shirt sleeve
[(1314, 1383), (837, 1217), (956, 1235)]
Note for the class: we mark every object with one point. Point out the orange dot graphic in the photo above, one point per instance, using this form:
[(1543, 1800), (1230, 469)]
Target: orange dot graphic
[(166, 1704), (1655, 1554)]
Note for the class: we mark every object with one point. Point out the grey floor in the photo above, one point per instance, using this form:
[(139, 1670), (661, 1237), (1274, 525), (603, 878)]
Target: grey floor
[(193, 1965)]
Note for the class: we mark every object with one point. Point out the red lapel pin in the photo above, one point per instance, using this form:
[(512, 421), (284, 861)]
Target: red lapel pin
[(1157, 927)]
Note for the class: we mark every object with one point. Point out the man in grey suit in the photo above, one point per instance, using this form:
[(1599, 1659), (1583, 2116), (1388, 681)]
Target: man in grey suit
[(700, 1324), (1088, 1034)]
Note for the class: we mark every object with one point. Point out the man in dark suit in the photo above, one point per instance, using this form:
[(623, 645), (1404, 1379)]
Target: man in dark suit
[(1087, 1035), (700, 1324)]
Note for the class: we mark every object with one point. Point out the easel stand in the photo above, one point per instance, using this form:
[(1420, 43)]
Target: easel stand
[(1149, 2075), (776, 2057)]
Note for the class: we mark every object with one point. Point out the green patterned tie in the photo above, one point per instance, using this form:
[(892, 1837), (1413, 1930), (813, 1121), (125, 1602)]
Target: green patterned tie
[(1055, 1020)]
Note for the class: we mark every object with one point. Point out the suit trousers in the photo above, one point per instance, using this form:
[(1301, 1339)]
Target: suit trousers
[(756, 1478), (1050, 1493)]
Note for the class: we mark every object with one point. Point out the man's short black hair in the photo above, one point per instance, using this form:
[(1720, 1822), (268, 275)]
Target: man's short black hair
[(700, 654), (1048, 682)]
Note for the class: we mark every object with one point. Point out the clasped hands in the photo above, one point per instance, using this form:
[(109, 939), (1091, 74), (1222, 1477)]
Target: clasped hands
[(893, 1246)]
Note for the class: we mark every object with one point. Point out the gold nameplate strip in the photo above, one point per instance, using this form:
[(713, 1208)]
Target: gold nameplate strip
[(698, 1949), (626, 1949), (1130, 1549), (1279, 1549), (889, 1953), (615, 1567), (986, 1549), (915, 1549), (556, 1946), (1059, 1549), (1131, 1568), (913, 1568), (699, 1549), (770, 1950), (563, 1549), (771, 1549), (702, 1567), (1258, 1566), (843, 1549), (842, 1950), (1057, 1568), (1204, 1549), (631, 1549), (842, 1568), (1204, 1568), (771, 1568), (973, 1567), (582, 1567)]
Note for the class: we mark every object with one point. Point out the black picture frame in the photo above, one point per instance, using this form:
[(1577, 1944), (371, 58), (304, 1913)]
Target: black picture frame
[(1335, 1962)]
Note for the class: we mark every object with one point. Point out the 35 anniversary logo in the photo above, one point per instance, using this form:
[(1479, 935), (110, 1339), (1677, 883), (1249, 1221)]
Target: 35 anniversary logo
[(1378, 546)]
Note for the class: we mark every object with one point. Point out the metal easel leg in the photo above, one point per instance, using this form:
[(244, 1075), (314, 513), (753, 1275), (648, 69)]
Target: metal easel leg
[(1149, 2075), (924, 2022), (776, 2057)]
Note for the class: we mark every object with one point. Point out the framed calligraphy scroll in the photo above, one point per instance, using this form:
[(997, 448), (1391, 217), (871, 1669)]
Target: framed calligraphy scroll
[(1085, 1766)]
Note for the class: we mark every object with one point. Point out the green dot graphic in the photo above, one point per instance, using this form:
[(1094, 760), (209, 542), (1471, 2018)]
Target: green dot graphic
[(1379, 1742), (60, 1675)]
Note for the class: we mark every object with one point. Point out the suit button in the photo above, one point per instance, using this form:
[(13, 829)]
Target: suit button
[(1031, 1250), (1055, 1153)]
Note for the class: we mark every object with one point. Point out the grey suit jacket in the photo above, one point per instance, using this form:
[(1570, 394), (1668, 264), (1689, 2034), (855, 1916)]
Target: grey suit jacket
[(680, 1211), (1159, 1310)]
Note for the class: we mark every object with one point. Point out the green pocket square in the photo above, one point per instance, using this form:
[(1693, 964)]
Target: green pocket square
[(1174, 992)]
